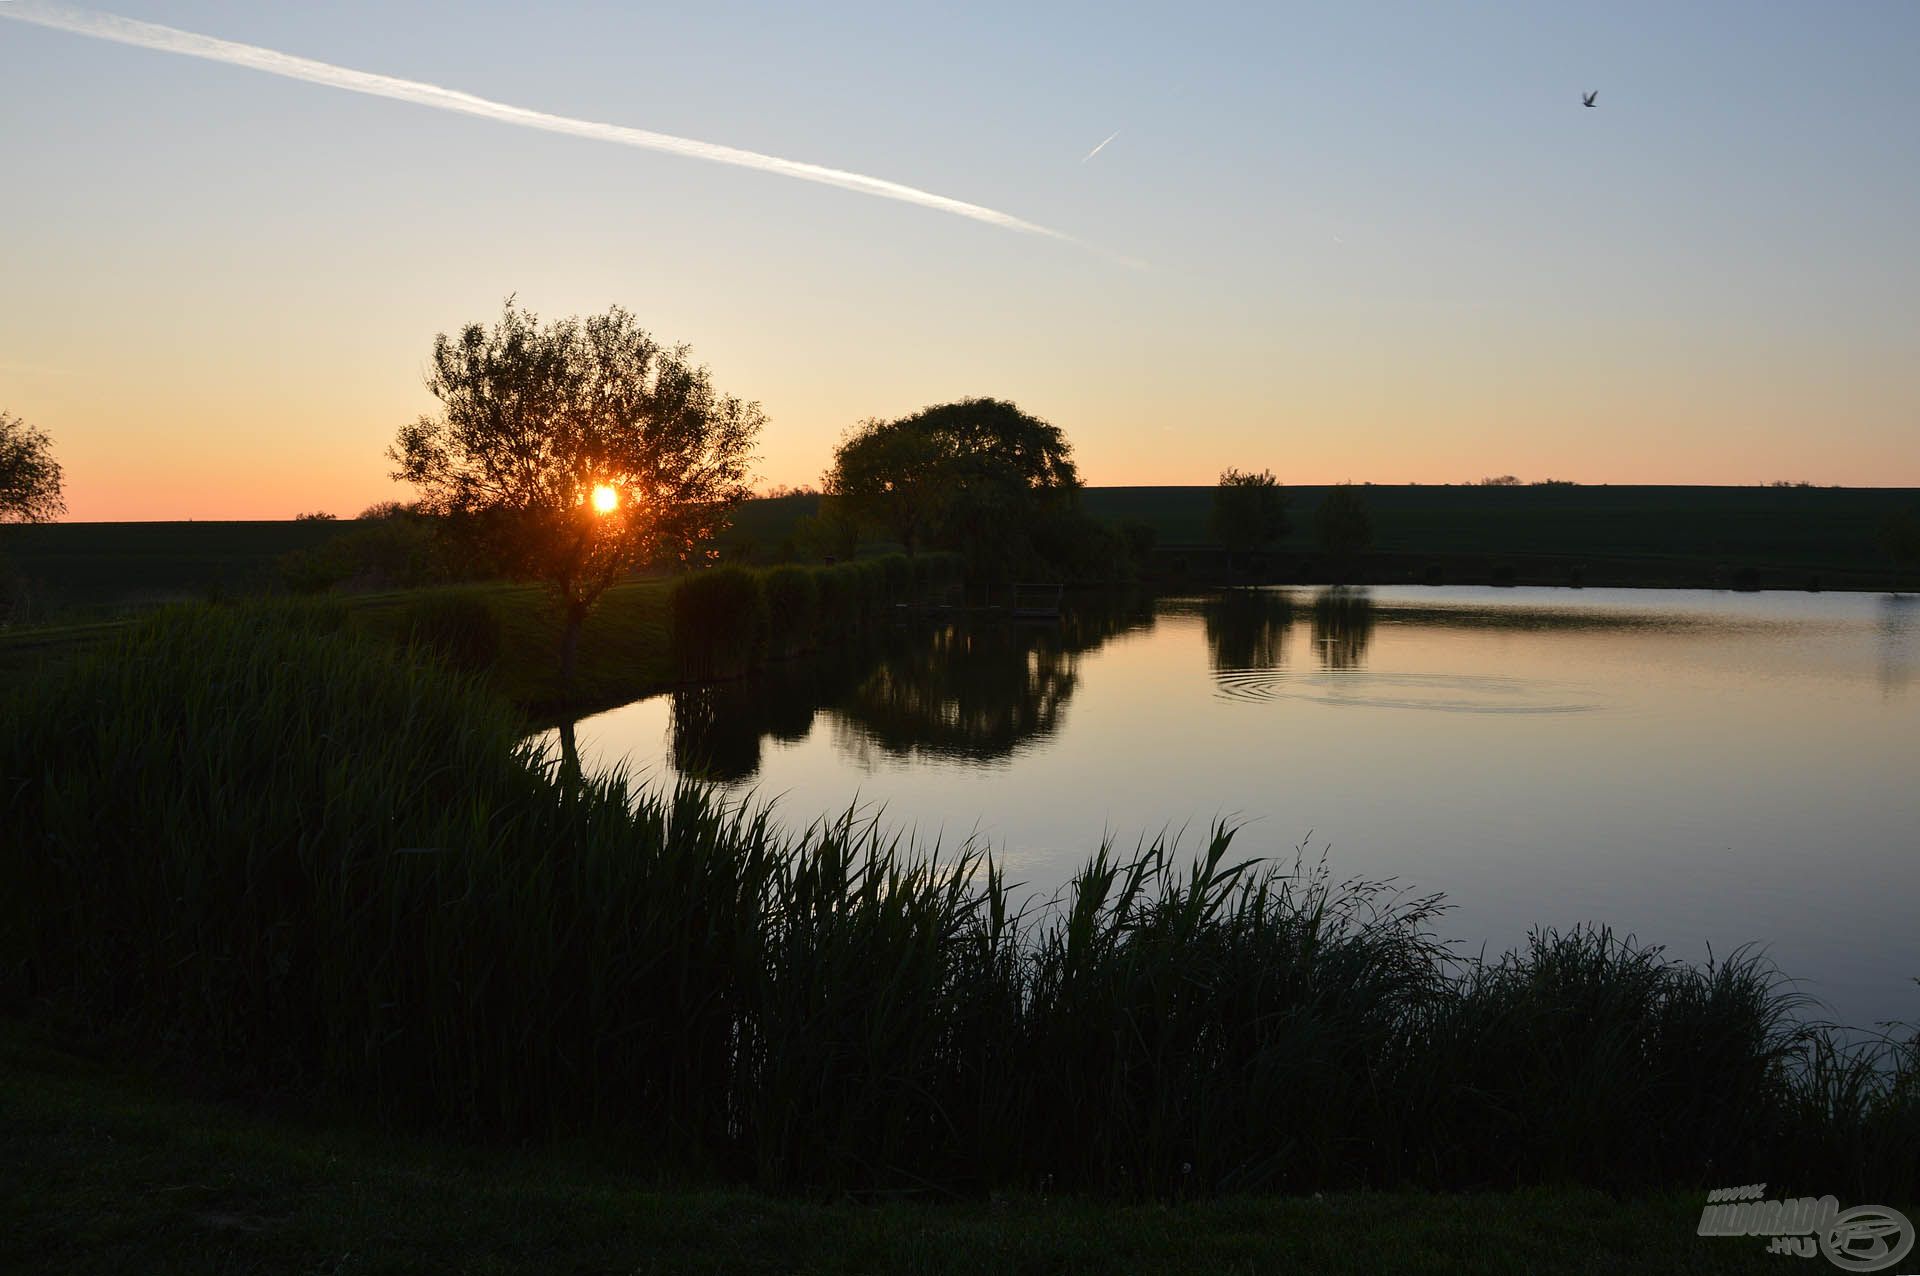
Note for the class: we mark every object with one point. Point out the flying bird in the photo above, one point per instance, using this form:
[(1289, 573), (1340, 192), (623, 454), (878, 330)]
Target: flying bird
[(1103, 146), (1586, 99)]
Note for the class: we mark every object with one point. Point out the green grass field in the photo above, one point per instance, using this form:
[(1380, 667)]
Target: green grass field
[(105, 1171)]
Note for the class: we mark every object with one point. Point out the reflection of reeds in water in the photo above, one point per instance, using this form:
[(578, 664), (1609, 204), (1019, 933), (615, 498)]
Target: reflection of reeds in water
[(305, 863)]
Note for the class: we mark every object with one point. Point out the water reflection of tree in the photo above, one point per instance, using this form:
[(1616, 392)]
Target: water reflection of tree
[(1342, 627), (974, 691), (1247, 628), (1899, 636), (966, 690), (717, 729)]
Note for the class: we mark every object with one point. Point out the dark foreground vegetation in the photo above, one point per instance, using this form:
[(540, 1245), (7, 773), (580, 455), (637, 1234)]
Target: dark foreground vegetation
[(309, 865), (105, 1171)]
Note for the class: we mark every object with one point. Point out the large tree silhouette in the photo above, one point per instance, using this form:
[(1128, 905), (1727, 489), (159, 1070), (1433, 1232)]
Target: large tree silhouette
[(976, 474), (574, 451)]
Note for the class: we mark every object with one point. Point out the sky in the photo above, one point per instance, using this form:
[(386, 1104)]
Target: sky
[(1359, 242)]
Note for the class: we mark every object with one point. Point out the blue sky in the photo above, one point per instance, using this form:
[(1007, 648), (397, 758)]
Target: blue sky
[(1380, 242)]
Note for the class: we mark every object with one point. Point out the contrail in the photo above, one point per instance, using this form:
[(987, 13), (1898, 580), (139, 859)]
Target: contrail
[(148, 35), (1103, 146)]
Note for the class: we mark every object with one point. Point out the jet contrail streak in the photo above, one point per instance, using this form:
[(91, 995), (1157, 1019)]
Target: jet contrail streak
[(148, 35), (1103, 146)]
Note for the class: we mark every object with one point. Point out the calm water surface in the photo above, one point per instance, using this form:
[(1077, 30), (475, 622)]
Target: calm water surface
[(1700, 769)]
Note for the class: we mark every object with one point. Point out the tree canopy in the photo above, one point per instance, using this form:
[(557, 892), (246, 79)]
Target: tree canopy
[(572, 451), (29, 476), (1249, 510), (979, 474), (1343, 524)]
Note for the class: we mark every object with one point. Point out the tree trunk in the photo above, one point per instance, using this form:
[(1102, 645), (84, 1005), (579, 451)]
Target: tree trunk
[(569, 759), (570, 646)]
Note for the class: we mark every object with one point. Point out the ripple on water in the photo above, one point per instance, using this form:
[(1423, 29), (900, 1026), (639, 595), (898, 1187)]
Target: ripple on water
[(1437, 693)]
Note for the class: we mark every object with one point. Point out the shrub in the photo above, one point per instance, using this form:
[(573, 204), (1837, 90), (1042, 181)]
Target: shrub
[(839, 597), (871, 580), (1343, 525), (934, 574), (1139, 539), (896, 577), (397, 550), (456, 629), (793, 607), (719, 620)]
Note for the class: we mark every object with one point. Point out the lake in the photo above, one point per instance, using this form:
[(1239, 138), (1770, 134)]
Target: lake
[(1699, 769)]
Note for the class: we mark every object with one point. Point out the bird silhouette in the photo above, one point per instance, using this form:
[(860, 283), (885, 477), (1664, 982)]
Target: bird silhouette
[(1586, 99)]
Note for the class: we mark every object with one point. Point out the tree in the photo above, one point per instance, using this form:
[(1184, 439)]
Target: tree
[(830, 533), (572, 452), (979, 473), (1343, 525), (895, 476), (1900, 537), (29, 476), (1249, 511)]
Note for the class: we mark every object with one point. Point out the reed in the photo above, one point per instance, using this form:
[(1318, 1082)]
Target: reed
[(265, 844)]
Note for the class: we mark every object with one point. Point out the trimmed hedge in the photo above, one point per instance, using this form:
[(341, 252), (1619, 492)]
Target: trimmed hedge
[(793, 607), (896, 576), (839, 598), (727, 620), (719, 619)]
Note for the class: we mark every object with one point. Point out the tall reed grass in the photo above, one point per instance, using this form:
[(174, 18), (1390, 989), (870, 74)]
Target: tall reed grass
[(257, 842)]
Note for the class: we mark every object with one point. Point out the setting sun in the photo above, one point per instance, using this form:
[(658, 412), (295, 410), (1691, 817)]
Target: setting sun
[(605, 499)]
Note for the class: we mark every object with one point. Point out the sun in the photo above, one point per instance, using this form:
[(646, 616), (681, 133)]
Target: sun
[(605, 499)]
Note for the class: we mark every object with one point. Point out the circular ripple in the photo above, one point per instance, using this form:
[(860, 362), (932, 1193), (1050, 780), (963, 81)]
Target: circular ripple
[(1433, 693)]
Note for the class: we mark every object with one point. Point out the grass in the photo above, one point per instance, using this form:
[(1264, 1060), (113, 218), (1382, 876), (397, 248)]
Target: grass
[(108, 1171), (628, 648), (624, 648), (260, 843)]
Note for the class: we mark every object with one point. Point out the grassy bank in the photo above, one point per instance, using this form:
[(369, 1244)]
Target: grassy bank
[(262, 844), (625, 649), (641, 637), (102, 1171)]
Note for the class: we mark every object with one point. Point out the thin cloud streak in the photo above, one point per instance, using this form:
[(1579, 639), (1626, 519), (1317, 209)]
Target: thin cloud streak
[(148, 35), (1103, 146)]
